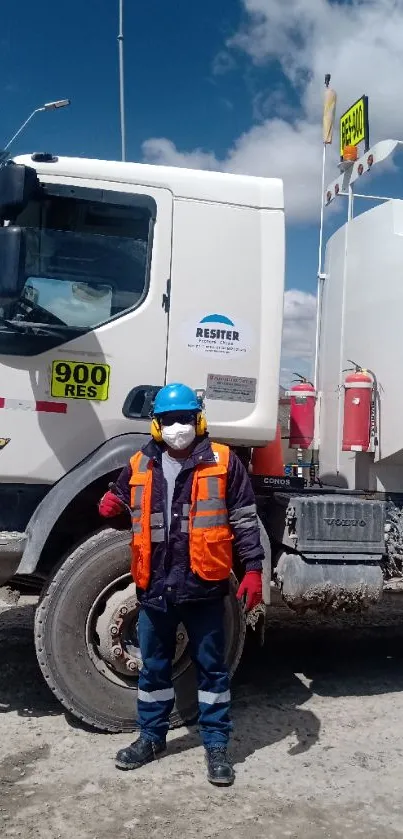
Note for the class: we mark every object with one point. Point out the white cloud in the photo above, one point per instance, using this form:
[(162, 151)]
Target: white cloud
[(275, 101), (298, 334), (359, 42), (159, 150)]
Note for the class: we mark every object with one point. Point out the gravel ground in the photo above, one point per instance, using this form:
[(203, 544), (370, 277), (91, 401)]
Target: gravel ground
[(318, 745)]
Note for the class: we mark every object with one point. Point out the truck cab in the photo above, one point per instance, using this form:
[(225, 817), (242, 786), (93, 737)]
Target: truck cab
[(116, 278)]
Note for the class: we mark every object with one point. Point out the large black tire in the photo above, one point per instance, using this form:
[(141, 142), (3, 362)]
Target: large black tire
[(62, 652)]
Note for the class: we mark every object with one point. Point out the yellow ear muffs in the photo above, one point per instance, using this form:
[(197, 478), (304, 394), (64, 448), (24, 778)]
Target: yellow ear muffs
[(201, 425), (156, 430)]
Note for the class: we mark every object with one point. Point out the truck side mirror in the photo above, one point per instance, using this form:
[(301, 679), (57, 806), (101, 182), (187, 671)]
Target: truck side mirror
[(18, 184), (12, 263)]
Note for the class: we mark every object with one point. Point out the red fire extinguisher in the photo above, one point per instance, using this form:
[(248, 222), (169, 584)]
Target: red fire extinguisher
[(302, 414), (358, 410)]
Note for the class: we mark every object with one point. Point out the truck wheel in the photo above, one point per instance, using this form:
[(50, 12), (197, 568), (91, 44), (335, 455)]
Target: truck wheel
[(86, 637)]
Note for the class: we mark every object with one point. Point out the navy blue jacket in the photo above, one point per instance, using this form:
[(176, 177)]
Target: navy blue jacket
[(171, 577)]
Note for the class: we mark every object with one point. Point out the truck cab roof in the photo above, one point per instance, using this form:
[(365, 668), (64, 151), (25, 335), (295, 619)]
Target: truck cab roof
[(202, 185)]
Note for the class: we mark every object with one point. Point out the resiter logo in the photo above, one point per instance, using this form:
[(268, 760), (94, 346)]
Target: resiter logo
[(223, 329)]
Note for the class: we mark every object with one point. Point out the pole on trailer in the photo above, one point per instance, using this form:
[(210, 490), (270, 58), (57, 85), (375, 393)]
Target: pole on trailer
[(320, 276), (329, 110)]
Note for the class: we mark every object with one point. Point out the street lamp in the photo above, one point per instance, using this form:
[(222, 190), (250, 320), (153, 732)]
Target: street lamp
[(49, 106)]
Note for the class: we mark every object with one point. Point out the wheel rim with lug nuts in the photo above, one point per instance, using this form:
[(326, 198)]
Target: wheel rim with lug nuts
[(111, 634)]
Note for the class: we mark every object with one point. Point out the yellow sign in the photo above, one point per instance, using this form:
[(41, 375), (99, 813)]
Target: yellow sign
[(354, 125), (79, 380)]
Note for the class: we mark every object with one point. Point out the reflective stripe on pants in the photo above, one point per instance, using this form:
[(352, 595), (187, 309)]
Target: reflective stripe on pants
[(204, 623), (155, 698)]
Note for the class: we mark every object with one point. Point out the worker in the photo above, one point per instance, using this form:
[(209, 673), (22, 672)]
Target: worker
[(191, 500)]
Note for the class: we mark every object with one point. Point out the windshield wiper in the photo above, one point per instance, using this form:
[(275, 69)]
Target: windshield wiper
[(53, 330)]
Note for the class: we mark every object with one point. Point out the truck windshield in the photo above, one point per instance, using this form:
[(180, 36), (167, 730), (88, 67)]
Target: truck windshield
[(84, 262)]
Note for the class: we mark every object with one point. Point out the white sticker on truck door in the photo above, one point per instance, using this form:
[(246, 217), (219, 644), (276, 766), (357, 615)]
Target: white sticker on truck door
[(219, 335)]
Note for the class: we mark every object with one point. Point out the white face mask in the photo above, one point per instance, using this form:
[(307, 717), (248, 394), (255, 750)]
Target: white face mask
[(178, 436)]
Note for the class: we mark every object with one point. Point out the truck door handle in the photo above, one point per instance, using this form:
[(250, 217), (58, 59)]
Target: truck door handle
[(139, 401)]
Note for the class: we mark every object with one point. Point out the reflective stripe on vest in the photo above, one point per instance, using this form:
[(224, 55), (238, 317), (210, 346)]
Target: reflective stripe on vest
[(205, 519), (140, 503)]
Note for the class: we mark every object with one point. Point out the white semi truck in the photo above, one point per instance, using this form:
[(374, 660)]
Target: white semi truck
[(114, 279)]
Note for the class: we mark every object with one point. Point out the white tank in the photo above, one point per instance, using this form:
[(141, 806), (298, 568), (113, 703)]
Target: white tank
[(362, 320)]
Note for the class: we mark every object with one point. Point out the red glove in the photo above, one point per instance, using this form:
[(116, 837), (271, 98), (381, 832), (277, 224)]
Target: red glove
[(110, 505), (251, 586)]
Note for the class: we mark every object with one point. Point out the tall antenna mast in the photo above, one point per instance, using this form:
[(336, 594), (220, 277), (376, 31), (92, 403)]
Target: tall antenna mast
[(121, 82)]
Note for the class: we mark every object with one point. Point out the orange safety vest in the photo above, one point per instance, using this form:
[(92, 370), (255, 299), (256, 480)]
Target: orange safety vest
[(210, 536)]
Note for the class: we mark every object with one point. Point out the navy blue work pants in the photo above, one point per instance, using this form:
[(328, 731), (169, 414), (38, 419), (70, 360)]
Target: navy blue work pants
[(204, 623)]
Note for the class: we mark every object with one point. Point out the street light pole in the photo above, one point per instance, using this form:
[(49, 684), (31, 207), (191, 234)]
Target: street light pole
[(49, 106), (121, 82)]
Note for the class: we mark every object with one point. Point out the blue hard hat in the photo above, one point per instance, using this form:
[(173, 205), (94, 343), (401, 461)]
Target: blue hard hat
[(176, 397)]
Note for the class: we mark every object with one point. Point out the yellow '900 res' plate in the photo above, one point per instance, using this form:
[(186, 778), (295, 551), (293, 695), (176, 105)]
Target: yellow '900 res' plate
[(79, 380)]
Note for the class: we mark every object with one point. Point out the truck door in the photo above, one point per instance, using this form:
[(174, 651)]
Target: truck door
[(88, 333)]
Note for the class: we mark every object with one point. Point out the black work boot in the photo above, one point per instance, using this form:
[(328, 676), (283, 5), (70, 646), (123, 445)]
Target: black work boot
[(139, 753), (219, 768)]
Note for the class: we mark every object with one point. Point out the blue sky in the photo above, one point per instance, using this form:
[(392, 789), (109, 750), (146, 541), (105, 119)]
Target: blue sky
[(170, 85), (230, 84)]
